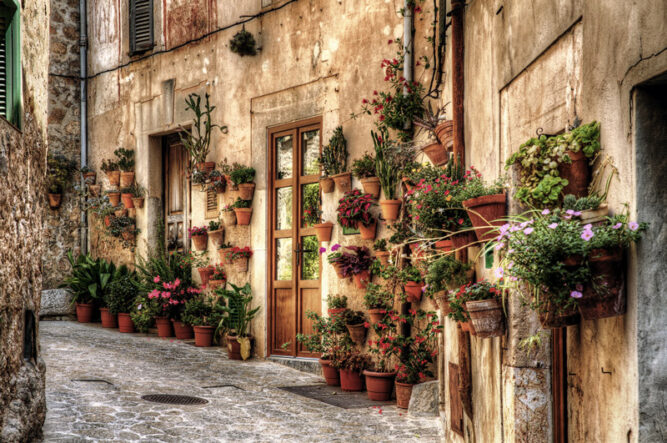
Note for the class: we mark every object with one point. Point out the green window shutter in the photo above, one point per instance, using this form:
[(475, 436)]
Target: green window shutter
[(10, 62), (141, 26), (4, 26)]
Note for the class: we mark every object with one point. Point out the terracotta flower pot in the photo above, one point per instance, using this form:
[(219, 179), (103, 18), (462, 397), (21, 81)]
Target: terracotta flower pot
[(95, 190), (553, 318), (222, 254), (114, 178), (241, 264), (89, 177), (164, 327), (107, 220), (55, 200), (368, 232), (414, 291), (485, 213), (343, 181), (376, 315), (233, 348), (403, 394), (205, 274), (605, 296), (243, 216), (126, 179), (229, 218), (361, 279), (339, 270), (436, 153), (125, 323), (182, 331), (576, 173), (138, 202), (357, 332), (379, 385), (109, 320), (114, 198), (487, 317), (84, 312), (390, 209), (246, 191), (336, 312), (443, 246), (445, 133), (216, 237), (213, 284), (351, 380), (205, 166), (327, 185), (371, 185), (200, 241), (383, 256), (127, 200), (203, 336), (323, 231), (230, 183), (330, 374)]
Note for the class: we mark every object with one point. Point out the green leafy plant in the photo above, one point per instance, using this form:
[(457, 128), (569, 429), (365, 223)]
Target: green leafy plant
[(242, 174), (364, 167), (243, 43), (109, 165), (59, 173), (122, 291), (386, 165), (89, 279), (410, 273), (445, 272), (197, 140), (203, 311), (380, 245), (329, 337), (242, 203), (582, 204), (377, 297), (214, 225), (354, 317), (336, 301), (351, 360), (238, 312), (125, 159), (334, 155)]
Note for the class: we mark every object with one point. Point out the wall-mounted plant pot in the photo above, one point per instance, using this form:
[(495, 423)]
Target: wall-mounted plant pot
[(441, 299), (605, 296), (230, 183), (164, 327), (203, 336), (114, 198), (246, 191), (339, 270), (323, 231), (444, 246), (351, 380), (335, 313), (576, 173), (487, 317), (229, 218), (485, 214), (114, 178), (376, 315), (55, 200), (127, 200), (595, 216), (390, 209), (241, 264), (222, 254), (403, 394), (126, 179), (383, 256), (343, 181), (89, 178), (182, 331), (243, 216), (361, 279), (214, 284), (125, 323), (109, 320), (84, 312), (554, 318), (436, 153), (413, 290), (327, 185), (367, 232), (138, 202), (357, 333), (379, 385), (445, 133), (330, 374), (205, 274), (205, 166), (94, 190), (199, 241), (216, 237), (371, 185)]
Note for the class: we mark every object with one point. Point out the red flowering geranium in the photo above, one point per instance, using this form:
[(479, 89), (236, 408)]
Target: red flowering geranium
[(236, 253), (198, 230), (355, 208), (218, 273)]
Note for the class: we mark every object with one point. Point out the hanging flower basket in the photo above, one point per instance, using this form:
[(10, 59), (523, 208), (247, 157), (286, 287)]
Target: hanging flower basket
[(371, 185), (324, 231), (327, 185), (605, 295), (445, 133), (241, 264), (216, 236), (229, 218), (443, 246), (376, 315), (222, 254), (486, 213)]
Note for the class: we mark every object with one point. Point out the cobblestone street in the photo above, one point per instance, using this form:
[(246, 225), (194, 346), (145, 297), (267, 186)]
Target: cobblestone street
[(95, 378)]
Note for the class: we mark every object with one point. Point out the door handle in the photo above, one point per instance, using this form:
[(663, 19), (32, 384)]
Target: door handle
[(300, 251)]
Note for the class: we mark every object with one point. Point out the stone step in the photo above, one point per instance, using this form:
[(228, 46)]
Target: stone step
[(310, 365)]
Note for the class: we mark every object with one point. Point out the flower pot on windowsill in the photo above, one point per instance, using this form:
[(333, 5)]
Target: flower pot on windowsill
[(329, 373), (127, 200), (164, 327), (605, 296), (229, 218), (114, 178), (371, 185), (89, 177), (216, 237), (376, 315), (203, 336), (182, 331), (367, 232), (485, 214), (138, 202), (390, 209), (114, 198), (379, 385), (125, 323), (361, 279), (383, 256), (243, 216), (357, 332), (246, 191), (327, 185), (199, 241), (205, 274), (436, 153), (222, 254), (576, 173), (413, 290), (403, 394), (55, 200), (126, 178), (84, 312), (351, 381), (324, 231), (487, 317), (109, 320), (343, 181), (241, 264)]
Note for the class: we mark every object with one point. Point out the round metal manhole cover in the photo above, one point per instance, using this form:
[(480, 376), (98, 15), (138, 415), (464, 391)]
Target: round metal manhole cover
[(174, 399)]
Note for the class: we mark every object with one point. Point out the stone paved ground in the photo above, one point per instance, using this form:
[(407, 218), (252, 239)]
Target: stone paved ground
[(137, 364)]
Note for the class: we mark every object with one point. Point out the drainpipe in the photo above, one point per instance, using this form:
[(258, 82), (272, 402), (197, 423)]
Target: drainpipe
[(83, 58), (457, 78), (407, 44)]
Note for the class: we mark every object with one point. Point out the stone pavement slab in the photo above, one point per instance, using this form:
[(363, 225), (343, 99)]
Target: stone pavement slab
[(96, 377)]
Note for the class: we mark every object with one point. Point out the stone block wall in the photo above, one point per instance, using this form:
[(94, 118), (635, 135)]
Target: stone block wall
[(22, 203)]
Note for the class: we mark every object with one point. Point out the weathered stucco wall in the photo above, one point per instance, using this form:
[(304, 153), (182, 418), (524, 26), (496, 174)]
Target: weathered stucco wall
[(22, 202)]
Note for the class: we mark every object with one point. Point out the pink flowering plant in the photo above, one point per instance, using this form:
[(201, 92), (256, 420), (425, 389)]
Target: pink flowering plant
[(169, 297), (198, 230)]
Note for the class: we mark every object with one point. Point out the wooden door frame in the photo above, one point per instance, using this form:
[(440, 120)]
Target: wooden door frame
[(270, 240), (187, 212)]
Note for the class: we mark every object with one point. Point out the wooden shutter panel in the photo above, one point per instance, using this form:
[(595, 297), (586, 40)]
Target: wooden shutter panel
[(4, 25), (141, 25), (455, 405), (211, 204)]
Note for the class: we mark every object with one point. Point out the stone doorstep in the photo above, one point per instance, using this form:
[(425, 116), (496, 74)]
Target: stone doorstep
[(309, 365)]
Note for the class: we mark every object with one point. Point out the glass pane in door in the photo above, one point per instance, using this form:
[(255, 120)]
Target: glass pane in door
[(310, 269), (310, 152), (284, 157), (310, 204), (284, 259), (284, 208)]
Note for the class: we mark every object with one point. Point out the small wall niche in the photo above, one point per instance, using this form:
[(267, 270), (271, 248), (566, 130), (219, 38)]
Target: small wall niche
[(29, 336)]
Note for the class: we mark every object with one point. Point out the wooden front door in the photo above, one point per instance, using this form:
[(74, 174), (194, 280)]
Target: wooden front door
[(175, 193), (294, 267)]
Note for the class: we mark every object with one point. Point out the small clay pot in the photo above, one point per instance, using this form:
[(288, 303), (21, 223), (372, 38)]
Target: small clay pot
[(114, 198), (164, 327), (383, 256), (445, 133), (576, 173), (205, 166), (330, 374), (323, 231), (607, 297), (403, 394), (216, 237), (222, 254), (109, 320), (205, 274), (379, 385), (243, 216), (357, 332), (89, 177), (343, 181), (371, 185), (367, 232), (436, 153), (339, 270), (138, 202), (84, 312), (414, 291), (126, 178), (55, 200), (335, 313), (214, 284), (376, 315), (246, 191), (95, 190), (486, 213), (327, 185), (125, 323), (182, 331), (229, 218), (203, 336), (390, 209), (487, 317), (114, 178), (120, 213), (444, 246), (200, 241), (127, 201), (361, 279)]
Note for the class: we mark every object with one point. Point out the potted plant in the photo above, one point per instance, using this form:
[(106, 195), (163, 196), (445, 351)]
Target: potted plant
[(215, 231), (334, 162), (336, 305), (323, 231), (114, 198), (591, 208), (243, 211), (334, 259), (218, 277), (356, 325), (123, 227), (205, 273), (88, 282), (121, 297), (364, 170), (354, 212), (387, 170), (351, 365), (89, 175), (126, 165), (378, 301), (197, 139), (243, 43), (243, 177), (443, 273), (237, 320), (223, 251), (110, 168), (483, 304), (381, 253), (138, 192), (217, 182), (226, 171), (413, 283), (380, 378), (203, 315), (199, 237), (126, 197), (59, 174), (486, 205), (441, 132), (168, 299), (228, 215), (356, 261), (240, 257)]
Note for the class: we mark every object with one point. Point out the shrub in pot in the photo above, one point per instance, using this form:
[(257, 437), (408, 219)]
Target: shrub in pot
[(137, 192), (242, 177), (238, 316), (334, 161), (354, 212), (125, 163), (240, 257), (167, 300), (121, 298), (486, 205), (215, 232), (381, 253), (243, 211), (110, 168), (378, 301), (88, 282), (443, 273), (351, 365), (59, 173), (364, 170), (413, 283), (336, 305), (483, 304), (203, 314), (199, 237), (218, 278), (387, 167), (356, 325)]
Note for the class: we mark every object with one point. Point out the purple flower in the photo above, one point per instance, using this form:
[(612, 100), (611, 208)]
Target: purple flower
[(139, 307), (499, 272), (323, 250), (577, 213), (504, 228), (617, 225), (633, 226), (587, 235), (569, 212), (576, 294), (546, 212), (567, 217), (499, 246), (588, 227), (515, 228), (335, 247), (527, 231), (552, 226)]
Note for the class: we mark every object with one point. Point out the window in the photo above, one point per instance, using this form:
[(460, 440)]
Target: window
[(10, 61), (141, 26)]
